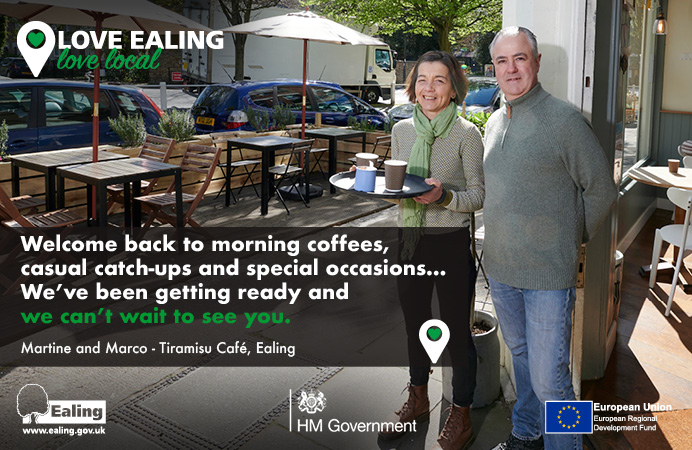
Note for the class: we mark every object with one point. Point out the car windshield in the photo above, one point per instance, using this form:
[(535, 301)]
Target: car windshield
[(481, 92), (215, 98)]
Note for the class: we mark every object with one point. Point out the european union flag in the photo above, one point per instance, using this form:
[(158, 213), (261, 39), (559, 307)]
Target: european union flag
[(572, 417)]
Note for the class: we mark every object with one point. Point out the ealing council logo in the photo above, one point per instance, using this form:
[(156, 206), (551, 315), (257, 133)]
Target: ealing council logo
[(312, 402), (34, 407)]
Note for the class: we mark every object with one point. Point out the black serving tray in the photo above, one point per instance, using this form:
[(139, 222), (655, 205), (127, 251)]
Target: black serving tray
[(413, 185)]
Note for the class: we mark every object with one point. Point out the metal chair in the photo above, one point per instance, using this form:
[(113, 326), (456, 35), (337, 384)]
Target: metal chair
[(381, 142), (675, 235), (477, 258), (155, 148), (317, 154), (250, 166), (197, 158), (290, 170)]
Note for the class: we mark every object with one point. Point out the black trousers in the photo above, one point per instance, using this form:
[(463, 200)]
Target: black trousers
[(451, 253)]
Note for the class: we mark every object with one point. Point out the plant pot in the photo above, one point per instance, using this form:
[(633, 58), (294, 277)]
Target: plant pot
[(488, 365)]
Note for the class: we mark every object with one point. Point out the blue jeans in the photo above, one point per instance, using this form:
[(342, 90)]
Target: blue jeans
[(536, 326)]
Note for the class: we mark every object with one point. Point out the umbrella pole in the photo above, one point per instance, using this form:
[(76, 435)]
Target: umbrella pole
[(305, 82), (95, 117)]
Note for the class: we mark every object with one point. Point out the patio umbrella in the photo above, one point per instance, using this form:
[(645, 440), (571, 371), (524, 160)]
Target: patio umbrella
[(121, 14), (305, 26)]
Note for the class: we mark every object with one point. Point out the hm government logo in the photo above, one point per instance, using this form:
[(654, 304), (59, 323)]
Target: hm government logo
[(569, 417), (312, 402), (34, 407)]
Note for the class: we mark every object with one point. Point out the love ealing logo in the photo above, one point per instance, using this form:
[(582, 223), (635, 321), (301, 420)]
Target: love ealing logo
[(36, 41)]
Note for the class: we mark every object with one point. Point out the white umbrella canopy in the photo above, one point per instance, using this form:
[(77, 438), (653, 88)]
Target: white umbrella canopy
[(120, 14), (305, 26)]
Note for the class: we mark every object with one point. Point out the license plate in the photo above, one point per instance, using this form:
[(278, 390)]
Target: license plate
[(205, 121)]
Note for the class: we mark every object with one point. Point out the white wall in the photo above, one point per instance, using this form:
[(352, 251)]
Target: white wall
[(559, 29), (677, 75)]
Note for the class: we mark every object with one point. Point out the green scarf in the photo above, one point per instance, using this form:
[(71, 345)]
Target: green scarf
[(419, 164)]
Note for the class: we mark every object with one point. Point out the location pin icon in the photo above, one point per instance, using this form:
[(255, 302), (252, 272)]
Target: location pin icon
[(36, 41), (434, 335)]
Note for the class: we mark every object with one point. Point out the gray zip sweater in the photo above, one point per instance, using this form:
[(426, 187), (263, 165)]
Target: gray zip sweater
[(548, 188)]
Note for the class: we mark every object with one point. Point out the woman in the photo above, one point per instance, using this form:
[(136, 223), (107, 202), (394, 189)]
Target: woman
[(448, 151)]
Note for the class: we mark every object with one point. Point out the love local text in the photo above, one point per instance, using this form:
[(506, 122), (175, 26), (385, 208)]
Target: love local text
[(115, 60)]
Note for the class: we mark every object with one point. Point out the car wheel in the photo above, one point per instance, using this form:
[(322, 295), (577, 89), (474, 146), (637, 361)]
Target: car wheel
[(371, 95)]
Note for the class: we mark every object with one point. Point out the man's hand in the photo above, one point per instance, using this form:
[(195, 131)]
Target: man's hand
[(433, 195)]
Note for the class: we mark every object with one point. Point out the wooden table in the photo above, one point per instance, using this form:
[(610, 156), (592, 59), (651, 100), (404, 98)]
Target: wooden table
[(48, 162), (334, 135), (267, 145), (132, 170)]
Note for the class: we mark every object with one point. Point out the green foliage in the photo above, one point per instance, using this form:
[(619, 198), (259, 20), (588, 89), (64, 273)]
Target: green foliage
[(4, 135), (284, 116), (410, 47), (479, 119), (259, 119), (361, 125), (417, 17), (176, 124), (130, 128), (481, 47), (3, 34)]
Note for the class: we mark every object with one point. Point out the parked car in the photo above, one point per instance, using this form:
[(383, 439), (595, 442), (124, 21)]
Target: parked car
[(52, 115), (483, 96), (14, 68), (222, 106)]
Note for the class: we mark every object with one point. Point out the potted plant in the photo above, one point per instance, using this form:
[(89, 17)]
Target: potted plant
[(130, 128)]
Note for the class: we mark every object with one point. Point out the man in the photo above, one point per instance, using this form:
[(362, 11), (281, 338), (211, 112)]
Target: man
[(548, 188)]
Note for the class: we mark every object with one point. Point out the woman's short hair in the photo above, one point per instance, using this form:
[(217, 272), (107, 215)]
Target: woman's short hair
[(456, 76)]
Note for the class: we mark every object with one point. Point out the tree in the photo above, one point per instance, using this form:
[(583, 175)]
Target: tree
[(237, 12), (419, 16), (481, 47), (32, 401), (3, 34)]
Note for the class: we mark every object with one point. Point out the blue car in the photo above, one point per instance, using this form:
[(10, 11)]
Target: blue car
[(483, 96), (53, 115), (221, 107)]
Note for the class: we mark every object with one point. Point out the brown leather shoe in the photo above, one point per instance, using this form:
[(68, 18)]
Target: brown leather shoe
[(457, 434), (417, 408)]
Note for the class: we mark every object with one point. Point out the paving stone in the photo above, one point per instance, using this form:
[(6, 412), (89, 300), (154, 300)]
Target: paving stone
[(219, 402)]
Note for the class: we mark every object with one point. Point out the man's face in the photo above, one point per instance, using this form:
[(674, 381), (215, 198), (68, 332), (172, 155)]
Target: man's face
[(516, 69)]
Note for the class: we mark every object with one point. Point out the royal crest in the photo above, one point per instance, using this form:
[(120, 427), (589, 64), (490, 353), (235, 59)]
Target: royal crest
[(312, 402)]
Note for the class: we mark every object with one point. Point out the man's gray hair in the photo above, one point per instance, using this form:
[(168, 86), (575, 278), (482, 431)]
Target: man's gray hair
[(514, 31)]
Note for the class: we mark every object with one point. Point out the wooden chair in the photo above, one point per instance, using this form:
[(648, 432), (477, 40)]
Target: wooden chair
[(24, 202), (12, 216), (289, 170), (198, 159), (250, 166), (155, 148)]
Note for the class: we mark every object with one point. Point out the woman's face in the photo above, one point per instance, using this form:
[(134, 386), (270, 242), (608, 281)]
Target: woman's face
[(434, 89)]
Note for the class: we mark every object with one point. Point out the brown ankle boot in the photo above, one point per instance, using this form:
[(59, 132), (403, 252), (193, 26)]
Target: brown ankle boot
[(457, 433), (417, 408)]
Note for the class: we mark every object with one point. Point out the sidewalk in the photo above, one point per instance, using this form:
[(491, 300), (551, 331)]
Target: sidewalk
[(247, 407)]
